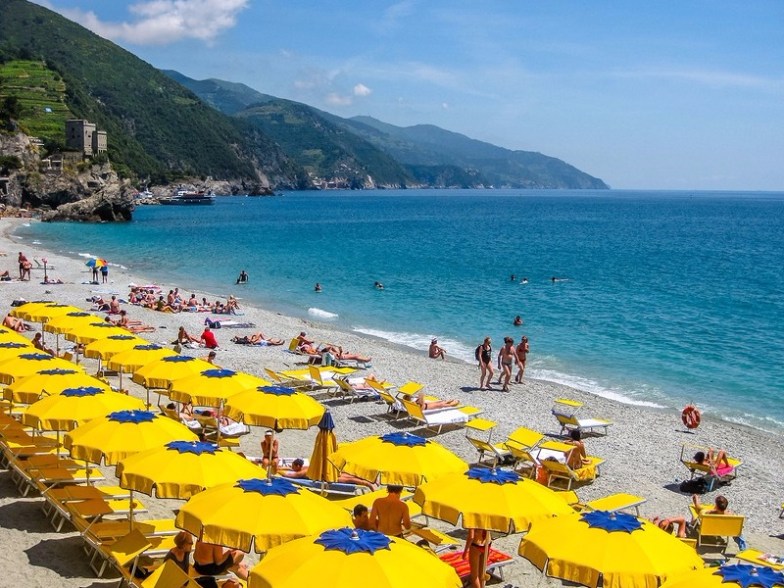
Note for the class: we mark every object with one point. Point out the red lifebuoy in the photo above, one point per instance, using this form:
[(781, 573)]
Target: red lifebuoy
[(691, 417)]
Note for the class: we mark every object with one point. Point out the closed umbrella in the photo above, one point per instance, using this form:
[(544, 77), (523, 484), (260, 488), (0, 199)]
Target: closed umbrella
[(27, 364), (344, 558), (320, 468), (258, 514), (617, 548), (397, 458)]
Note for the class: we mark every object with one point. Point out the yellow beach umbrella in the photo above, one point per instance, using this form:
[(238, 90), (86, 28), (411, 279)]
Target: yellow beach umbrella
[(84, 334), (275, 407), (75, 406), (28, 364), (320, 468), (10, 349), (132, 360), (728, 576), (212, 387), (105, 349), (21, 310), (47, 312), (161, 373), (618, 548), (342, 558), (397, 458), (124, 433), (181, 469), (490, 499), (66, 322), (258, 514), (9, 335), (51, 382)]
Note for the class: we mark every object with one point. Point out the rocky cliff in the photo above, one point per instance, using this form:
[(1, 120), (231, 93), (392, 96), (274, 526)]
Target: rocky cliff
[(63, 186)]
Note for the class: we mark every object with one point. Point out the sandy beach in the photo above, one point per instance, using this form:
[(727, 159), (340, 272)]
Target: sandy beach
[(641, 451)]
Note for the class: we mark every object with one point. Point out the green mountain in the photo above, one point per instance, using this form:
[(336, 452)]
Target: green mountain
[(156, 128), (419, 155)]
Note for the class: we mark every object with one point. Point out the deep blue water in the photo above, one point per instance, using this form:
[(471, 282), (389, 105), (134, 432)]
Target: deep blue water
[(670, 297)]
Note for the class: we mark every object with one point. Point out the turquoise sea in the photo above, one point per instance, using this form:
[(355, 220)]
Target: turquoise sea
[(666, 297)]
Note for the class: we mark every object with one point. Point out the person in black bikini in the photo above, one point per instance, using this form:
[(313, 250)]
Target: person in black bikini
[(485, 357), (477, 542), (214, 560)]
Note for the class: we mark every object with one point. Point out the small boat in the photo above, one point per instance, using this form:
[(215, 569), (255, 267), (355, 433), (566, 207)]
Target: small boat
[(189, 197)]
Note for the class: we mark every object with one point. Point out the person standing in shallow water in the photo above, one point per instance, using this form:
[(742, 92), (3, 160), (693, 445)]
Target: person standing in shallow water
[(522, 355)]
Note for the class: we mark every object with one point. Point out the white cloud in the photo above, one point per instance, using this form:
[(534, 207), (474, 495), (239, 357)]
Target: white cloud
[(362, 90), (445, 105), (335, 99), (716, 78), (162, 22)]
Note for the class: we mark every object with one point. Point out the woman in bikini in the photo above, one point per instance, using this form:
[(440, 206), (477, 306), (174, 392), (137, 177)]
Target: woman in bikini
[(485, 357), (477, 543)]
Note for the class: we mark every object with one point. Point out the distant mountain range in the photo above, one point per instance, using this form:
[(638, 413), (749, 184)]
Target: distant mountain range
[(163, 126)]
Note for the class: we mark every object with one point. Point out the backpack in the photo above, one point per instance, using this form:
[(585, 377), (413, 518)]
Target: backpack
[(478, 352)]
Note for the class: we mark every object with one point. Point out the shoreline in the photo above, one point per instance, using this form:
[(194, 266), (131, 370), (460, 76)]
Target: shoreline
[(641, 450)]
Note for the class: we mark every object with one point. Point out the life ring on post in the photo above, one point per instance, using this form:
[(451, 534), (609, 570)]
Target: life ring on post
[(691, 417)]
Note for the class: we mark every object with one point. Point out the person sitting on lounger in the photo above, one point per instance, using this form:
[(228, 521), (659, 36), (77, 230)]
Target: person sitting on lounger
[(668, 524), (720, 507), (361, 517), (716, 460), (389, 514), (304, 344), (577, 456), (214, 560), (16, 324), (300, 470)]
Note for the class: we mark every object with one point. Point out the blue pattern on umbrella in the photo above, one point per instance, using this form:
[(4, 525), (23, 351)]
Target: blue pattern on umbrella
[(121, 337), (404, 439), (78, 314), (492, 476), (36, 356), (178, 358), (147, 347), (270, 487), (102, 325), (277, 390), (353, 541), (195, 447), (81, 391), (133, 416), (745, 575), (13, 345), (216, 373), (327, 423), (57, 372), (611, 521)]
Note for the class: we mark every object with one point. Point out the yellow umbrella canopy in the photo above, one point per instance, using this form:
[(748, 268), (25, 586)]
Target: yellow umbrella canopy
[(397, 458), (29, 389), (343, 558), (75, 406), (496, 500), (258, 514), (728, 576), (8, 335), (320, 468), (84, 334), (27, 364), (22, 310), (275, 407), (138, 356), (47, 312), (619, 548), (161, 373), (212, 387), (181, 469), (105, 349), (65, 322), (11, 349), (123, 433)]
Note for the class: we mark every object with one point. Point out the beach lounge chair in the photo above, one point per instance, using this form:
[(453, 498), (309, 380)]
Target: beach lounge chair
[(497, 451), (760, 558), (355, 388), (496, 561), (282, 379), (124, 553), (169, 575), (564, 410), (715, 530), (553, 457), (330, 488), (687, 459), (434, 419), (616, 502)]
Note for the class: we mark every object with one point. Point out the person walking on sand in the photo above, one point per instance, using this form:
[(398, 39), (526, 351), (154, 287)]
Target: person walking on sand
[(389, 514), (24, 266), (522, 354), (506, 357), (484, 355)]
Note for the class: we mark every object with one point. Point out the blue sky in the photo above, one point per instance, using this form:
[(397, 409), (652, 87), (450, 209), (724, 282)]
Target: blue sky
[(658, 95)]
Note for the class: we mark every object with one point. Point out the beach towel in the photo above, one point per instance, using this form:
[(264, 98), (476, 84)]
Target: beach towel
[(227, 324)]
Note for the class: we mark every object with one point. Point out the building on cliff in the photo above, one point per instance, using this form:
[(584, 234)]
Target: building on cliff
[(83, 136)]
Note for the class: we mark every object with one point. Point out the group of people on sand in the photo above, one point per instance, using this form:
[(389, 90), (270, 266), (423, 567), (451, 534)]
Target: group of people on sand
[(328, 352), (174, 302), (508, 357)]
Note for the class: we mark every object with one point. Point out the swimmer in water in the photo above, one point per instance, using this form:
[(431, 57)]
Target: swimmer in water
[(524, 281), (518, 321), (378, 286), (317, 287)]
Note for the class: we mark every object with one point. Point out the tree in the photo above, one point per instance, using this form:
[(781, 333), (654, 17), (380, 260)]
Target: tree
[(11, 108)]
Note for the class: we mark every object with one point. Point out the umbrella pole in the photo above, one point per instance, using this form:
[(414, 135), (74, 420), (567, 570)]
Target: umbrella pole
[(218, 422), (130, 513), (269, 456), (57, 343)]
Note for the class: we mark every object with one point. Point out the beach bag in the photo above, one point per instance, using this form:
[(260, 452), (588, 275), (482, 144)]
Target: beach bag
[(694, 486), (477, 352)]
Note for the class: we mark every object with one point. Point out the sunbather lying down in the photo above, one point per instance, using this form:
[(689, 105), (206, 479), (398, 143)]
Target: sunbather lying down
[(338, 353), (16, 324), (669, 524), (716, 460), (257, 339), (300, 470), (419, 398)]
